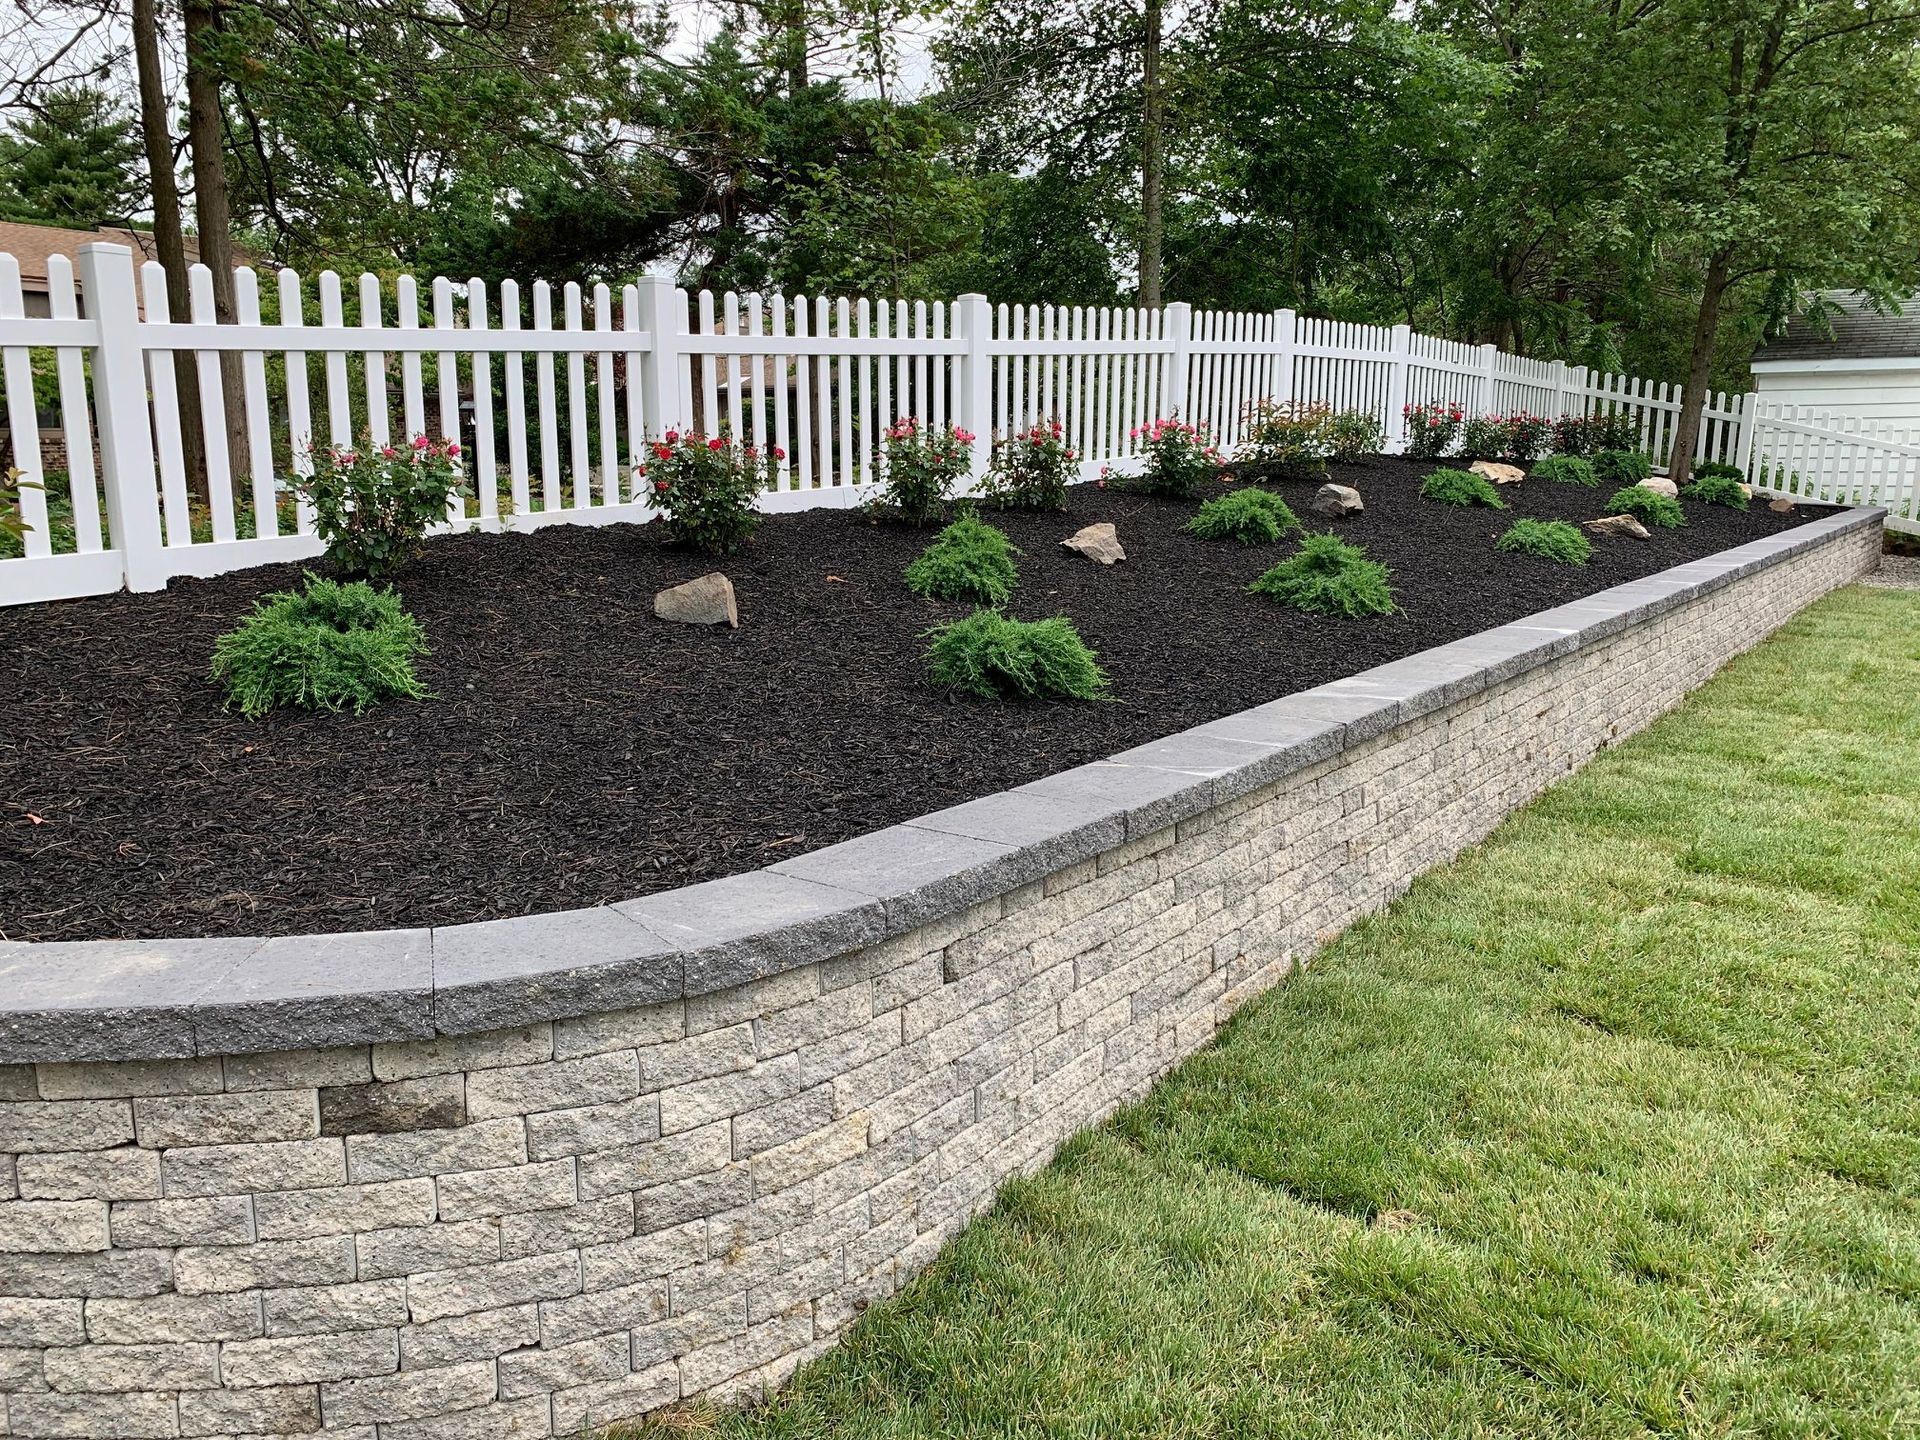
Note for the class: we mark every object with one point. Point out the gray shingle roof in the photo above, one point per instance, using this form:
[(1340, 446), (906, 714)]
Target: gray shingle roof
[(1854, 330)]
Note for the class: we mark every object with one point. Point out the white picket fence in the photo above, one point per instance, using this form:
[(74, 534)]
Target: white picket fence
[(586, 376), (1837, 459)]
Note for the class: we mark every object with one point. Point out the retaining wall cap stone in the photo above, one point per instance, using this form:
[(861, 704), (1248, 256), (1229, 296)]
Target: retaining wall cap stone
[(166, 999)]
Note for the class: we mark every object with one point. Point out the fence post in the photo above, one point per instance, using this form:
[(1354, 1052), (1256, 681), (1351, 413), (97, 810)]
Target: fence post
[(1559, 388), (1483, 382), (120, 411), (1177, 324), (1397, 387), (973, 323), (660, 367), (1286, 330), (1747, 411)]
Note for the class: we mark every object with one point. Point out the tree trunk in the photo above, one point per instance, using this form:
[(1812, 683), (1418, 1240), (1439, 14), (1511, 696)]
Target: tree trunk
[(168, 240), (1153, 159), (212, 212), (794, 39), (1693, 396)]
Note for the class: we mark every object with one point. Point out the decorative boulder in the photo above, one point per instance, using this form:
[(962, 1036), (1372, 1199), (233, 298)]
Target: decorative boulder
[(1619, 525), (1781, 506), (1097, 542), (706, 601), (1660, 485), (1337, 500), (1496, 472)]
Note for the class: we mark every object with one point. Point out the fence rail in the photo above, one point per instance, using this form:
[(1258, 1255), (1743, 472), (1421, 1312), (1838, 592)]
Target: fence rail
[(553, 392), (1815, 455)]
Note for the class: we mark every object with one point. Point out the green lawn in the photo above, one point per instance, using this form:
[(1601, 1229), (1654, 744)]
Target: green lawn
[(1611, 1128)]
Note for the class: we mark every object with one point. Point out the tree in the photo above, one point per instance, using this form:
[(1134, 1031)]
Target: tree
[(1782, 152), (73, 162)]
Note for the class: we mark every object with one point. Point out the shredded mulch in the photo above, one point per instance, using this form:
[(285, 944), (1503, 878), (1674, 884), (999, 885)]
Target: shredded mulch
[(578, 750)]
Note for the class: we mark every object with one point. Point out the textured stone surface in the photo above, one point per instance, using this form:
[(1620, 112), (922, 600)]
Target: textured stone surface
[(1619, 527), (1660, 485), (1498, 473), (704, 600), (798, 1086), (1334, 501), (1099, 542)]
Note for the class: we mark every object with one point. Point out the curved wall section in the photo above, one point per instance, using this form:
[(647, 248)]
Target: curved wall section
[(531, 1177)]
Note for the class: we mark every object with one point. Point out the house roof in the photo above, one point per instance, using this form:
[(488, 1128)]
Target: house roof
[(1848, 328), (31, 245)]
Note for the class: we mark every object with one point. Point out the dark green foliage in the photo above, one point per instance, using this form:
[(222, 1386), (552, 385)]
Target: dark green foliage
[(329, 647), (969, 560), (1554, 540), (1253, 517), (1647, 506), (1461, 487), (1707, 468), (991, 655), (1622, 467), (1725, 490), (1329, 577), (372, 507), (1565, 470)]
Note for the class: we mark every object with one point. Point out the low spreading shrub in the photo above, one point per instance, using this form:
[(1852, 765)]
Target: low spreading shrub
[(1353, 433), (328, 647), (1718, 490), (1622, 467), (1329, 577), (1649, 507), (372, 507), (920, 469), (1031, 471), (1461, 487), (1554, 540), (1179, 457), (969, 560), (1708, 468), (706, 486), (1431, 428), (1287, 441), (992, 655), (1253, 517), (1565, 470)]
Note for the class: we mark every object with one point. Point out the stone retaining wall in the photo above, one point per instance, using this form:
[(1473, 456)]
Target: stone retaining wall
[(591, 1212)]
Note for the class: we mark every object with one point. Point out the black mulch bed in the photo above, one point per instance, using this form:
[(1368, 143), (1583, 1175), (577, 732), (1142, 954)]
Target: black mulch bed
[(580, 751)]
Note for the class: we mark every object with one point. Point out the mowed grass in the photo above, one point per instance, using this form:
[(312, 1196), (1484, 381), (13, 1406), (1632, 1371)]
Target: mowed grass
[(1610, 1129)]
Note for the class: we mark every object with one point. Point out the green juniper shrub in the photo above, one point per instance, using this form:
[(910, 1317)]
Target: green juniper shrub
[(969, 560), (1461, 487), (1622, 467), (1253, 517), (1031, 470), (1329, 577), (921, 469), (1353, 433), (1554, 540), (1649, 507), (995, 656), (1565, 470), (1286, 441), (372, 507), (1717, 467), (706, 486), (331, 646), (1717, 490)]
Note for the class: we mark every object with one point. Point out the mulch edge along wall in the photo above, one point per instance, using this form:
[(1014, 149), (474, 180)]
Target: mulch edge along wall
[(676, 1148)]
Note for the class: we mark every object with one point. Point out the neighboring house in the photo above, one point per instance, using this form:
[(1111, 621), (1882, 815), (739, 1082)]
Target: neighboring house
[(1853, 361), (31, 245)]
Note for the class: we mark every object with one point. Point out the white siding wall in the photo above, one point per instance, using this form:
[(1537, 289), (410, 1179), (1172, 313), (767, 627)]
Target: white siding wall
[(1883, 395)]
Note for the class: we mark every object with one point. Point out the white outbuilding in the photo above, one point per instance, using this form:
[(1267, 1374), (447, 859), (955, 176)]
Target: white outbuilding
[(1846, 358)]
